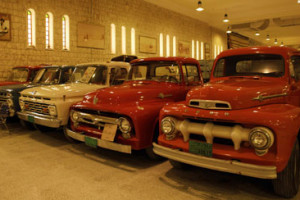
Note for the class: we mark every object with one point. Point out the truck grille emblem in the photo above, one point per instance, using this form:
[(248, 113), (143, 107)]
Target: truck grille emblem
[(262, 97)]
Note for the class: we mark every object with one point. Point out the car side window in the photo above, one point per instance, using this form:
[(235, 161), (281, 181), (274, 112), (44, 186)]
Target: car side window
[(139, 73), (32, 74), (66, 75), (168, 73), (219, 69), (117, 76), (295, 71), (190, 73)]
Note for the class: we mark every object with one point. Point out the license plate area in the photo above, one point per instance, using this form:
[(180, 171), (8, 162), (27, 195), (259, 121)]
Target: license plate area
[(30, 119), (200, 148), (91, 142)]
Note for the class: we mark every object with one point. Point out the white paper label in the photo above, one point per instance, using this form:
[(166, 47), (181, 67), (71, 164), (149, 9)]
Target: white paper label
[(109, 132)]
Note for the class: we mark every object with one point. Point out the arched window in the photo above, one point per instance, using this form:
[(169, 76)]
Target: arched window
[(202, 51), (161, 45), (49, 30), (174, 45), (132, 41), (167, 45), (65, 32), (31, 41), (215, 52), (123, 40), (113, 38), (193, 49), (197, 50)]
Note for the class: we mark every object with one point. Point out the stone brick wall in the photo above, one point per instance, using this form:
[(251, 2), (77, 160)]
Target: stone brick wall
[(147, 19)]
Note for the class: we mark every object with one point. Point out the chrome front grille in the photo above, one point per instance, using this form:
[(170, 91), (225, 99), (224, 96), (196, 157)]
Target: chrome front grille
[(3, 94), (36, 107), (210, 104), (35, 97), (96, 120), (2, 99), (211, 132)]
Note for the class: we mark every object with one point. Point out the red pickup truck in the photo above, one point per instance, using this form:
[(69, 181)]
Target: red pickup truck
[(125, 117), (21, 74), (246, 120)]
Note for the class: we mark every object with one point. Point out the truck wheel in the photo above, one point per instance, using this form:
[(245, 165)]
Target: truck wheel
[(149, 151), (44, 128), (27, 125), (71, 140), (287, 182), (153, 156), (178, 165)]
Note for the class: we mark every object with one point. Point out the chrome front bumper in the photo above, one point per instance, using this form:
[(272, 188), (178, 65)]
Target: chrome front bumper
[(235, 167), (100, 143), (41, 120)]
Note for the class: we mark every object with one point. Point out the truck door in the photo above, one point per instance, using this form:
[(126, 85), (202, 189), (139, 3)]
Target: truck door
[(295, 79), (191, 76)]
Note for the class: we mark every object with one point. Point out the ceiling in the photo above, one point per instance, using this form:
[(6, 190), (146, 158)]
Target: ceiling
[(246, 17)]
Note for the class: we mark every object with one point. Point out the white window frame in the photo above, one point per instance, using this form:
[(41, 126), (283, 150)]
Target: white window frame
[(123, 29), (132, 41), (31, 28), (65, 32), (49, 30)]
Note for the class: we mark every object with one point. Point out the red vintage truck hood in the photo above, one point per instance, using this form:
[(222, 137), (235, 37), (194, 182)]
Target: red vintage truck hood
[(135, 91), (2, 83), (240, 91)]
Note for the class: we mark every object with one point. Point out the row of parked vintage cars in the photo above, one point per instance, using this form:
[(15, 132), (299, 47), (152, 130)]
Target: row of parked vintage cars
[(245, 120)]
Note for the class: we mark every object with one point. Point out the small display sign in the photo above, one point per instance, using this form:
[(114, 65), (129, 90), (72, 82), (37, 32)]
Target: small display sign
[(109, 132), (30, 119), (90, 142), (89, 72), (201, 148)]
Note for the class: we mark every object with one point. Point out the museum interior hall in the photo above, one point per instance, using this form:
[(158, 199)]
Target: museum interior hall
[(148, 99)]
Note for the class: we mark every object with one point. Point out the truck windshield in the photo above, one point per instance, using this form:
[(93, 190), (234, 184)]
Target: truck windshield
[(19, 74), (250, 65), (38, 75), (90, 74), (50, 76), (157, 71)]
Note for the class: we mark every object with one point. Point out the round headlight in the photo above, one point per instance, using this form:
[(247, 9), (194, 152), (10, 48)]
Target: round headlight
[(261, 138), (74, 116), (126, 135), (168, 127), (8, 95), (52, 110), (124, 125)]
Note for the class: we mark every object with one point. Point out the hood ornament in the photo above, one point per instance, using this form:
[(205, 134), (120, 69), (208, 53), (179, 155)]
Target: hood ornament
[(33, 92), (95, 100), (162, 95), (262, 97)]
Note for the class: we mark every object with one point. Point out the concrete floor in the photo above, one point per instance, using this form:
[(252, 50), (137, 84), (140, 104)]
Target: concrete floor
[(36, 165)]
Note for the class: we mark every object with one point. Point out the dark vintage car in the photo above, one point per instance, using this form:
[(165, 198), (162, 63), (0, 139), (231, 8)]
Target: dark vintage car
[(125, 117), (21, 74), (45, 76)]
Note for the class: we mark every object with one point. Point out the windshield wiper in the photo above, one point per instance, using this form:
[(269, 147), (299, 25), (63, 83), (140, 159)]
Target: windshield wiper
[(247, 77)]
